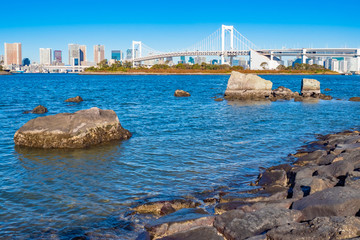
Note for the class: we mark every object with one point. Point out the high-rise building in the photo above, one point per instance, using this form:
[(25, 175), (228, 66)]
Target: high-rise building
[(45, 56), (116, 55), (99, 53), (12, 54), (74, 54), (57, 56), (83, 58)]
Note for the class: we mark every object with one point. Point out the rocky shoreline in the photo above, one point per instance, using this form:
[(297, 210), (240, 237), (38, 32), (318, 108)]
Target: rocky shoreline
[(315, 197)]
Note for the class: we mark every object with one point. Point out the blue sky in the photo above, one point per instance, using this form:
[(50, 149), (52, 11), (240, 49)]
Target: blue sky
[(169, 25)]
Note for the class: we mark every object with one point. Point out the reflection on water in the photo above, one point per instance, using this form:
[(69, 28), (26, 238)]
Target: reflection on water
[(186, 146), (248, 103)]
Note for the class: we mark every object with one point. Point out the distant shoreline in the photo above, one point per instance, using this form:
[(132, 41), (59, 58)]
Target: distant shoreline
[(203, 73), (4, 73)]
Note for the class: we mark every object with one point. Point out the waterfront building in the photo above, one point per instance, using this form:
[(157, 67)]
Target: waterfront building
[(74, 54), (57, 56), (116, 55), (191, 60), (45, 56), (13, 54), (290, 63), (83, 58), (26, 62), (214, 62), (199, 60), (99, 53)]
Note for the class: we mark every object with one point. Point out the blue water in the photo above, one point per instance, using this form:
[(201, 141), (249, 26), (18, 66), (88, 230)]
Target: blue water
[(180, 146)]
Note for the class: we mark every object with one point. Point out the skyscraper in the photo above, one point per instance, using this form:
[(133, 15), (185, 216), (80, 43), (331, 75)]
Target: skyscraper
[(74, 54), (57, 56), (83, 58), (99, 53), (116, 55), (45, 56), (12, 54)]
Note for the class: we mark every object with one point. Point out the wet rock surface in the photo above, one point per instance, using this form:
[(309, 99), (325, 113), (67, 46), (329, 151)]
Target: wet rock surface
[(71, 130), (355, 99), (317, 197)]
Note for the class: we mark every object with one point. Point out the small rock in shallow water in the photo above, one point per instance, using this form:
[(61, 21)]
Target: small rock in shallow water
[(74, 99), (181, 93), (38, 110)]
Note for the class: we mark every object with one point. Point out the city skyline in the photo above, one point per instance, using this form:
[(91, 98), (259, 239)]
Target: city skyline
[(294, 26)]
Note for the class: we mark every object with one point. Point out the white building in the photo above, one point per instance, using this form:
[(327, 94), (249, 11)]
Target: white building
[(74, 54), (45, 56)]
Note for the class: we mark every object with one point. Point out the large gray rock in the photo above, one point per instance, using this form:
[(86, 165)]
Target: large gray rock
[(310, 87), (71, 130), (247, 87), (237, 224), (319, 228), (337, 201)]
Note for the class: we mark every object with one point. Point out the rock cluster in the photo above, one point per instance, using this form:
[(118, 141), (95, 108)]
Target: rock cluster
[(251, 87), (318, 197), (71, 130), (181, 93)]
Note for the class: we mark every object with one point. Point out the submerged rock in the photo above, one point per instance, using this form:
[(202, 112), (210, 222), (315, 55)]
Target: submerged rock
[(165, 207), (283, 93), (71, 130), (355, 99), (74, 99), (247, 87), (181, 93)]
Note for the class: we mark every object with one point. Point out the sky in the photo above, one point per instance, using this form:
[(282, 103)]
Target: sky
[(172, 25)]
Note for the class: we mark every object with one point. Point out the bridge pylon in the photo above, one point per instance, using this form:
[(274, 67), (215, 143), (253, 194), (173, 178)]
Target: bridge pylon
[(139, 45), (225, 29)]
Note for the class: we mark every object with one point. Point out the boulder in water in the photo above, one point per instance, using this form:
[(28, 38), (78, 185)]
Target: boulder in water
[(181, 93), (71, 130), (247, 87), (310, 87)]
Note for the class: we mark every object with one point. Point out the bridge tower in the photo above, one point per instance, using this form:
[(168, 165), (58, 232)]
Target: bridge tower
[(136, 44), (230, 29)]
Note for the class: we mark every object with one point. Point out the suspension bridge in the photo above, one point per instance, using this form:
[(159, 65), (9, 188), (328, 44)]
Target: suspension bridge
[(227, 43)]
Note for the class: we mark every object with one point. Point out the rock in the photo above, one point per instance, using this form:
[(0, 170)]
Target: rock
[(283, 93), (247, 87), (327, 89), (311, 158), (336, 201), (251, 207), (219, 99), (355, 99), (39, 110), (268, 194), (165, 207), (336, 169), (325, 97), (319, 228), (309, 87), (180, 221), (237, 224), (74, 99), (181, 93), (201, 233), (273, 177), (71, 130)]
